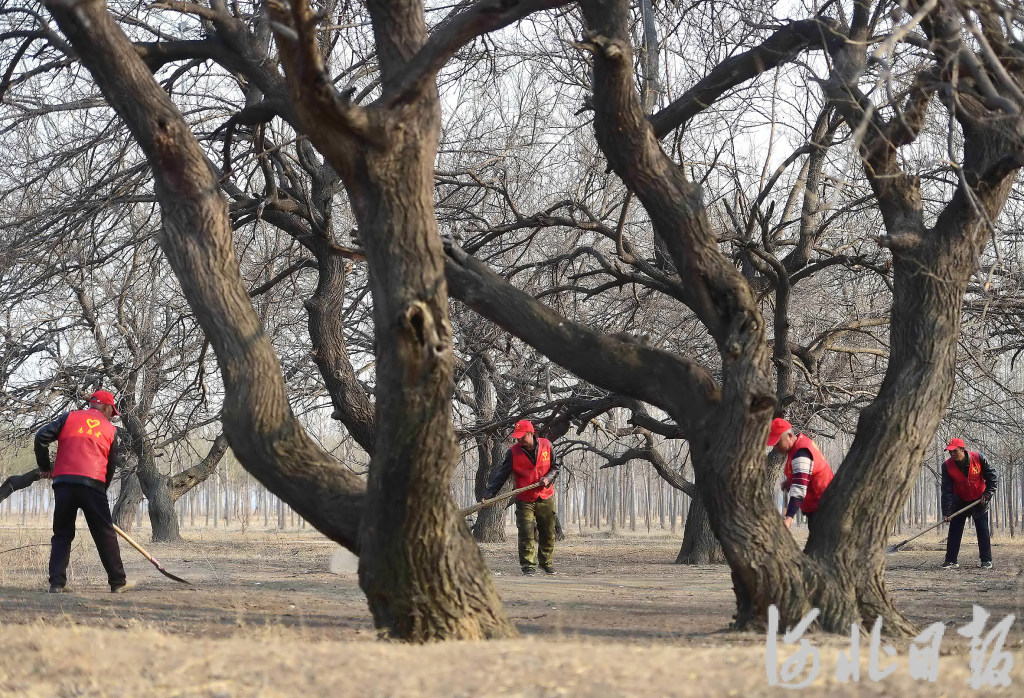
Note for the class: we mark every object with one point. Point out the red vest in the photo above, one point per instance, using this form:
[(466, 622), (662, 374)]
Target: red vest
[(83, 445), (821, 473), (972, 486), (526, 472)]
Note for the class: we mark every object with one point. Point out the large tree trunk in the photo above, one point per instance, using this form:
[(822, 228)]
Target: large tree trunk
[(414, 536), (700, 547), (423, 575), (155, 485), (489, 526), (422, 572), (930, 283)]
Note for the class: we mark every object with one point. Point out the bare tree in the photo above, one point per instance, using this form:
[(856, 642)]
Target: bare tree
[(842, 573), (729, 276)]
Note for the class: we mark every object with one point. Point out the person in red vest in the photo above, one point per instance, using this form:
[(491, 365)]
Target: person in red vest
[(87, 456), (807, 471), (530, 460), (967, 477)]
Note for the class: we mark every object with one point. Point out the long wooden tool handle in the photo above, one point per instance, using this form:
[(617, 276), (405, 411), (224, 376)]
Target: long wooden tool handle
[(936, 525), (156, 563), (135, 545), (501, 497)]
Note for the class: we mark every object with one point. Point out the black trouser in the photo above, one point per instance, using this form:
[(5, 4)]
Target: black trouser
[(956, 531), (68, 499)]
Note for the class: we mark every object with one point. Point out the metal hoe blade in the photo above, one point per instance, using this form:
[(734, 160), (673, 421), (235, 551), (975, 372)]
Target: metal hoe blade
[(156, 563)]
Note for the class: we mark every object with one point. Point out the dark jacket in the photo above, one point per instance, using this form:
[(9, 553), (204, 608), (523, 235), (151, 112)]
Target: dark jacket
[(505, 469), (950, 502), (49, 433)]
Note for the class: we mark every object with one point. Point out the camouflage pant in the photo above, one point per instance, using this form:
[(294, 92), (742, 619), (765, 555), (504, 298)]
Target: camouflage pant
[(536, 517)]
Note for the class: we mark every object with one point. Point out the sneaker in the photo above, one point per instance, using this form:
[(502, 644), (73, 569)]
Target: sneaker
[(529, 571), (54, 589), (121, 588), (986, 565), (548, 569), (950, 566)]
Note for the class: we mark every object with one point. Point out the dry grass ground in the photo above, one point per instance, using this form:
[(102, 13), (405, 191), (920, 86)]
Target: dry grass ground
[(268, 618)]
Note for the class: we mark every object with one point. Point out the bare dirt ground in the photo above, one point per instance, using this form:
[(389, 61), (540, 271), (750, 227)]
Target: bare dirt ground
[(268, 618)]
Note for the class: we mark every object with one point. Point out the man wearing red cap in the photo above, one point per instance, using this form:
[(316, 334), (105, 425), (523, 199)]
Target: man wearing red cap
[(967, 477), (531, 460), (807, 471), (87, 456)]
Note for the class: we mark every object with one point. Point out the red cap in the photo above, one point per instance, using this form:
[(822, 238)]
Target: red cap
[(104, 398), (779, 427), (956, 443), (523, 427)]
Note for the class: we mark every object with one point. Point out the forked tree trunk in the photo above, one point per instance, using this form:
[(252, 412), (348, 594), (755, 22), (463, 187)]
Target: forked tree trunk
[(423, 575), (415, 536), (131, 495)]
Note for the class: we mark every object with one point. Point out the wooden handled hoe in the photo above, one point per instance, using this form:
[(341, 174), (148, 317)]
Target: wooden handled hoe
[(156, 563), (895, 548), (500, 498)]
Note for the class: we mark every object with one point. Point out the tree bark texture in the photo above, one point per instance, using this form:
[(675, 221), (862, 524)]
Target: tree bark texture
[(489, 526), (352, 406), (183, 482), (129, 498), (423, 574), (700, 547), (155, 485)]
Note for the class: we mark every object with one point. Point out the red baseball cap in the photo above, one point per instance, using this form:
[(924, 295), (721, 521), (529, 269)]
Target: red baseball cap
[(779, 427), (523, 427), (104, 398), (956, 443)]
